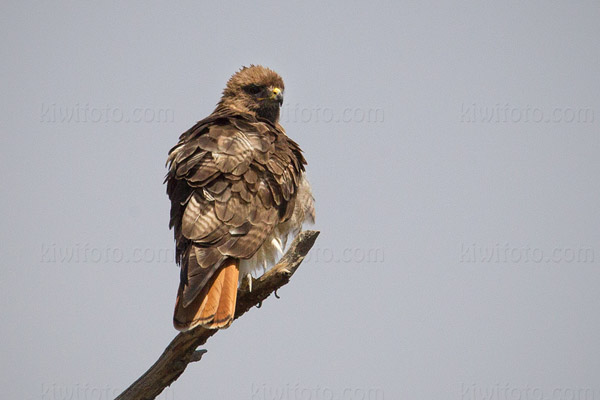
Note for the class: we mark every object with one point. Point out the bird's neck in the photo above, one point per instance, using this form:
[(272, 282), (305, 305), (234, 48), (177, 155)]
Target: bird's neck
[(270, 113)]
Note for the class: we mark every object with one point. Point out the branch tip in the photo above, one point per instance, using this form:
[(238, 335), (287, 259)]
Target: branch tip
[(197, 355)]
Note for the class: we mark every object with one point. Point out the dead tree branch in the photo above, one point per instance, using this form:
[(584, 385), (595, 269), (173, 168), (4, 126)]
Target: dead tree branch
[(182, 350)]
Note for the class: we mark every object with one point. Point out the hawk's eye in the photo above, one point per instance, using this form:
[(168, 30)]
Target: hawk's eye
[(253, 89)]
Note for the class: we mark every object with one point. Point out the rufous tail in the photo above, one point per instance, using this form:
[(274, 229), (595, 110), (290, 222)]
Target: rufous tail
[(214, 307)]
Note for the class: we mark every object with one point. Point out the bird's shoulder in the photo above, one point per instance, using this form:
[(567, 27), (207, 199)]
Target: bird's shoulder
[(234, 144)]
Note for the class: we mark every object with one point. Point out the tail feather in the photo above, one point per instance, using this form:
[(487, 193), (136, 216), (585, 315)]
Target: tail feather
[(214, 307), (226, 310), (206, 313)]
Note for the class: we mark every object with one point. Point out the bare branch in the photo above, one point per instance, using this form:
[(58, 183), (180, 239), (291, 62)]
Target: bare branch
[(182, 349)]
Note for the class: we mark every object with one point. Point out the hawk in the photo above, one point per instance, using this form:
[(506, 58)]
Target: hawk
[(237, 189)]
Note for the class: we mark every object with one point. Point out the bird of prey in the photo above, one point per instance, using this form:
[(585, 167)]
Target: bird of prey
[(237, 187)]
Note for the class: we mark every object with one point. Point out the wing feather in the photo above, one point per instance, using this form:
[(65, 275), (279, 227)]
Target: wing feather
[(232, 179)]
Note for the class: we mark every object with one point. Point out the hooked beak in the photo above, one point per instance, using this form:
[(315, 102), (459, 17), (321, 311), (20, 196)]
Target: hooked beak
[(276, 95)]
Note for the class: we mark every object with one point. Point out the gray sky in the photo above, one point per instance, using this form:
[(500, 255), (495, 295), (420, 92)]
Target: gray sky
[(454, 154)]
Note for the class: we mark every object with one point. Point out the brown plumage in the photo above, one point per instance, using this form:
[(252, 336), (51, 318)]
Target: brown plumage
[(237, 190)]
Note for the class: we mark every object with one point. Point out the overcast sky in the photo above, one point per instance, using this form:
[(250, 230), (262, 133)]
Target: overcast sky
[(453, 150)]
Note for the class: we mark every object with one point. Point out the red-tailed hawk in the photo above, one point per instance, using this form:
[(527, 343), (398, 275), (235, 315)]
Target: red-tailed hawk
[(237, 189)]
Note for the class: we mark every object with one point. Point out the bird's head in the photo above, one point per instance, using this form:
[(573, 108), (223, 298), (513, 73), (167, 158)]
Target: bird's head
[(256, 90)]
